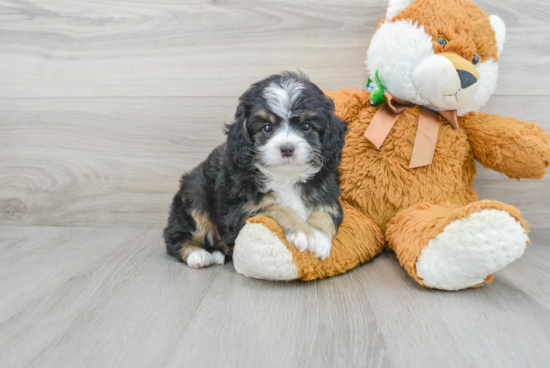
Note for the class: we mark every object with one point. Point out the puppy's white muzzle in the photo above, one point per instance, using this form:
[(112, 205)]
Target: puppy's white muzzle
[(276, 152), (447, 81)]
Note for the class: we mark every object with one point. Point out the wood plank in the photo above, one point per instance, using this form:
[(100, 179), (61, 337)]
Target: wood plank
[(102, 161), (319, 324), (136, 307), (42, 258), (495, 325), (202, 48), (130, 305), (523, 19), (531, 273), (120, 306), (117, 161)]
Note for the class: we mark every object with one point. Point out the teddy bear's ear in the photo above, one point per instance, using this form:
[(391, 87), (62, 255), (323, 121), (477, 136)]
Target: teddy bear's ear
[(396, 6), (500, 31)]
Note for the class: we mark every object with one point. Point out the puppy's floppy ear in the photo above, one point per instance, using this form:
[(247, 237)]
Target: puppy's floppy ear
[(238, 138), (334, 136)]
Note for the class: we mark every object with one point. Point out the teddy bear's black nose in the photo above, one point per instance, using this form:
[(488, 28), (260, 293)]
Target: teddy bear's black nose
[(466, 78)]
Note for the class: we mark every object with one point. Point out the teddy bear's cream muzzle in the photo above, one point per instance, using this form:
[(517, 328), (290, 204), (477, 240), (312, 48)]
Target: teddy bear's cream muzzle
[(447, 81)]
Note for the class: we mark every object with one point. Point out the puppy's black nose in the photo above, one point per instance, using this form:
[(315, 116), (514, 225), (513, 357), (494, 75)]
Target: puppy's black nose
[(287, 149)]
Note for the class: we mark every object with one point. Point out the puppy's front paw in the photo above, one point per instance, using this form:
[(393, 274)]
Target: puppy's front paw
[(299, 239), (300, 234), (321, 245), (202, 258), (312, 240)]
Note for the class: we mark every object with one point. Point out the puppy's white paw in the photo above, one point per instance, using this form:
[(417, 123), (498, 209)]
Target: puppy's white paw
[(320, 246), (218, 257), (199, 259), (299, 239), (290, 237)]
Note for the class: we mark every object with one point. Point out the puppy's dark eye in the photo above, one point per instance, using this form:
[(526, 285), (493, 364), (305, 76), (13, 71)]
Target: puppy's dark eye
[(475, 60), (442, 41), (306, 127), (268, 128)]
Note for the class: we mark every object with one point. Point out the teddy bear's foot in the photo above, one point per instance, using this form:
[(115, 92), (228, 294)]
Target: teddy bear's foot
[(458, 248), (470, 249), (261, 254), (262, 251)]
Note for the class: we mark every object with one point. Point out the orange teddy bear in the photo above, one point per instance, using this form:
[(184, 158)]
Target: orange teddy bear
[(408, 164)]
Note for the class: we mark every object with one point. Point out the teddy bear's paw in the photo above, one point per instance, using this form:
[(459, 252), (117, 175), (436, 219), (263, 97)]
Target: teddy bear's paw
[(260, 254), (202, 258), (470, 249), (320, 246)]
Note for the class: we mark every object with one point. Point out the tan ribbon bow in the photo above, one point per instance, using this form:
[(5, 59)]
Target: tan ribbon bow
[(426, 134)]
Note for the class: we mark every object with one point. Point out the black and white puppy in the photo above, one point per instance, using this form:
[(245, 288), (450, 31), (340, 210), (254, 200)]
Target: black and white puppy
[(280, 160)]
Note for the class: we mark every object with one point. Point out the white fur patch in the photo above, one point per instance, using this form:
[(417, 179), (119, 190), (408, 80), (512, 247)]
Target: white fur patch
[(282, 176), (318, 245), (321, 245), (260, 254), (218, 257), (488, 76), (282, 96), (299, 239), (397, 6), (202, 258), (470, 249), (290, 196), (500, 31), (199, 259), (395, 51)]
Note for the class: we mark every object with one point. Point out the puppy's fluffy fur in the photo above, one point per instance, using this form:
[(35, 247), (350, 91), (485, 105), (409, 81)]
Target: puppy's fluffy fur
[(280, 160)]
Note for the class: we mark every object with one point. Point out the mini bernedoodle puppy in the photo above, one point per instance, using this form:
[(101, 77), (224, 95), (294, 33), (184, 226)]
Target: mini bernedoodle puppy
[(280, 160)]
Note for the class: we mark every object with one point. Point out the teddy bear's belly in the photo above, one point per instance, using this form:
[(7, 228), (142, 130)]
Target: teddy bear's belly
[(379, 183)]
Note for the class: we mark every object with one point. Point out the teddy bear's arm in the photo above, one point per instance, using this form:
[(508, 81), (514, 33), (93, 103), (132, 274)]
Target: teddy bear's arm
[(349, 102), (515, 148)]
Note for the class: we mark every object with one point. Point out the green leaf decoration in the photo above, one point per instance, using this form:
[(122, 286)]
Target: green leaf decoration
[(377, 95)]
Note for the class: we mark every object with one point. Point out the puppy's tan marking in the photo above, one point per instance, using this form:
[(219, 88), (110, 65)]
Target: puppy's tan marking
[(306, 115), (188, 247), (267, 116), (322, 221), (205, 228), (332, 210), (224, 248), (287, 219), (267, 200)]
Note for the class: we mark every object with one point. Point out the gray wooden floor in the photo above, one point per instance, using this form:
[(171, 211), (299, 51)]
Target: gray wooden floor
[(110, 297), (104, 103)]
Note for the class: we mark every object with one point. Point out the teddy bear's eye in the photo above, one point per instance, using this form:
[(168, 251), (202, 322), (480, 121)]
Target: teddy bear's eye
[(442, 41), (475, 60)]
